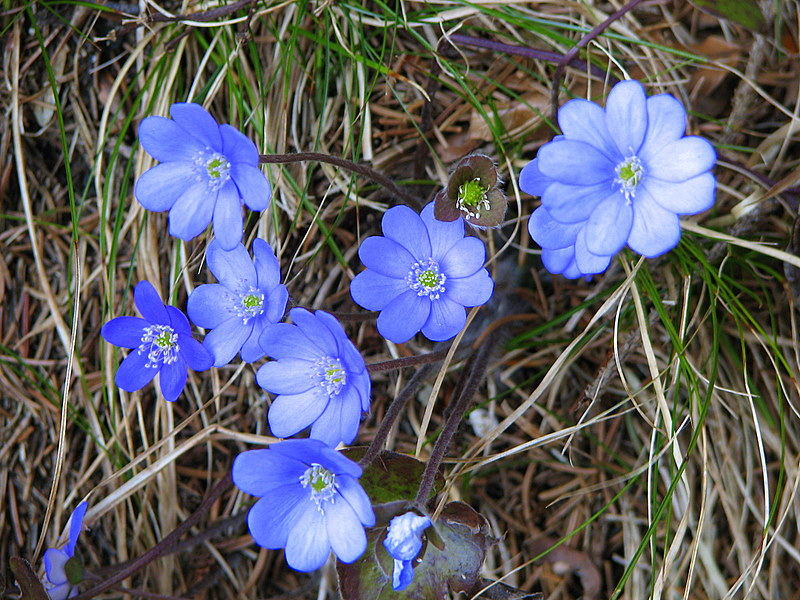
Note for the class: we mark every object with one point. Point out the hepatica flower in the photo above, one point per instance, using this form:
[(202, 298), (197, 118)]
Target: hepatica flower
[(619, 175), (248, 298), (310, 502), (319, 376), (403, 542), (207, 170), (472, 193), (161, 343), (421, 274), (62, 571)]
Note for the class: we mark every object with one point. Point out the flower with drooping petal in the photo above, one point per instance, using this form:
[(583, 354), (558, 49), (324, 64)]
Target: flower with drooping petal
[(206, 171), (403, 542), (619, 175), (319, 376), (248, 298), (421, 274), (310, 502), (472, 193), (62, 571), (161, 343)]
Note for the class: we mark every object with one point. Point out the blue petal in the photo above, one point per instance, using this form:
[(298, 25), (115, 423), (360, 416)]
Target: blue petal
[(226, 340), (357, 498), (608, 228), (558, 261), (196, 355), (228, 222), (666, 123), (172, 379), (572, 271), (402, 574), (340, 420), (385, 256), (291, 413), (233, 267), (283, 340), (251, 350), (315, 331), (442, 234), (470, 291), (54, 561), (132, 373), (587, 262), (261, 472), (585, 121), (268, 270), (577, 163), (287, 376), (277, 299), (531, 179), (655, 230), (374, 291), (191, 213), (158, 188), (363, 385), (62, 591), (237, 147), (306, 451), (549, 233), (75, 527), (125, 332), (626, 116), (210, 304), (197, 122), (574, 203), (271, 519), (307, 546), (405, 227), (336, 462), (165, 140), (681, 160), (446, 319), (404, 316), (178, 321), (464, 258), (149, 304), (685, 198), (345, 531), (253, 186)]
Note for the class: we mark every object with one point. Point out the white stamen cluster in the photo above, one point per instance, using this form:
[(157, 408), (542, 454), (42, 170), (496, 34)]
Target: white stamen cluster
[(251, 304), (331, 376), (425, 279), (322, 484), (212, 168), (160, 344), (629, 174)]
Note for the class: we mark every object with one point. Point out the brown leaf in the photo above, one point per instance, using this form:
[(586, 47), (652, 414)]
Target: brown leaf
[(708, 78), (29, 584)]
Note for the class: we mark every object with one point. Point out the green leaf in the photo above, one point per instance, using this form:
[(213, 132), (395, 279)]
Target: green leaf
[(29, 584), (744, 12), (391, 477)]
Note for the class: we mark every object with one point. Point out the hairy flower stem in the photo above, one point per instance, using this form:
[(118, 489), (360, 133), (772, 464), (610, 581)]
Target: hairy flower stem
[(394, 410), (567, 59), (364, 170), (164, 546), (473, 375), (408, 361)]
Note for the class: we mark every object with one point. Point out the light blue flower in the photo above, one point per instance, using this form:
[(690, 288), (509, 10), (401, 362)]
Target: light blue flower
[(207, 170), (58, 583), (403, 542), (619, 175), (248, 298), (310, 502), (319, 376)]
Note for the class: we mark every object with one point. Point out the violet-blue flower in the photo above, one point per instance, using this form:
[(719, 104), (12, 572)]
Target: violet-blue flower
[(161, 343), (319, 376), (421, 274), (60, 581), (310, 502), (403, 542), (248, 298), (207, 170), (619, 175)]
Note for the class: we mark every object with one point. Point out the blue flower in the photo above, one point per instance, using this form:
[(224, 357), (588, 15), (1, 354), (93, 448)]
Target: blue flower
[(619, 175), (248, 298), (162, 343), (58, 583), (421, 275), (319, 376), (206, 172), (403, 542), (311, 502)]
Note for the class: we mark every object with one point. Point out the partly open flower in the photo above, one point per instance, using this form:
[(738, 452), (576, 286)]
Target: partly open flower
[(421, 275), (248, 298), (207, 170), (403, 542), (161, 343), (310, 502), (319, 376), (62, 571), (619, 175), (472, 192)]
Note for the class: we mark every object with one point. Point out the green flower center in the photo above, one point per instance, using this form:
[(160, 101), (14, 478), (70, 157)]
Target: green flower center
[(428, 278), (472, 193), (332, 376), (160, 344), (251, 301), (212, 168), (629, 174), (216, 167), (321, 482)]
